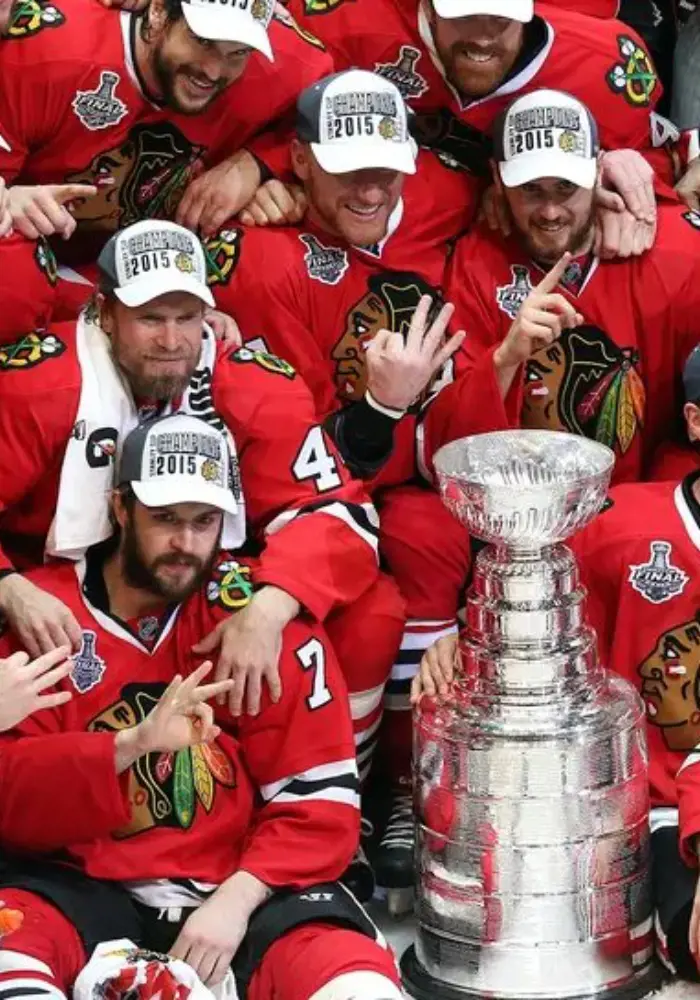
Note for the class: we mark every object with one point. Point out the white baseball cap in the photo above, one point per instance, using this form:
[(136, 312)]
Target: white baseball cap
[(547, 133), (514, 10), (356, 120), (152, 258), (244, 21), (177, 459)]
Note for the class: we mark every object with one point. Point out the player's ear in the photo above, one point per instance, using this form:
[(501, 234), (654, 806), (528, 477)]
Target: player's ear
[(119, 510), (301, 152), (691, 412), (104, 312)]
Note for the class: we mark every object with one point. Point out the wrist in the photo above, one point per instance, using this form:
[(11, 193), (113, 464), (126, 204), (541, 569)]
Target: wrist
[(128, 748), (389, 411), (275, 605), (247, 889), (8, 582)]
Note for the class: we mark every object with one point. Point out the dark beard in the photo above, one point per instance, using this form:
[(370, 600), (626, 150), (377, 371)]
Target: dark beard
[(166, 82), (578, 241), (161, 389), (141, 576)]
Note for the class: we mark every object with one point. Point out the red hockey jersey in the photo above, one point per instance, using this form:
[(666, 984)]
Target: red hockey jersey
[(318, 302), (318, 530), (276, 794), (617, 378), (603, 63), (28, 282), (638, 561), (85, 118), (673, 461)]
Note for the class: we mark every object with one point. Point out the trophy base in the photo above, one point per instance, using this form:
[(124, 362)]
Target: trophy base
[(420, 985)]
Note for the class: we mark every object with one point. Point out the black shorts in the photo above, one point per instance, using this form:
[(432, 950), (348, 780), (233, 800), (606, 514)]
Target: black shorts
[(673, 889), (104, 911)]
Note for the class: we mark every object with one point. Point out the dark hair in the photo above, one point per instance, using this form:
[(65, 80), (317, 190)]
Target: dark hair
[(173, 9)]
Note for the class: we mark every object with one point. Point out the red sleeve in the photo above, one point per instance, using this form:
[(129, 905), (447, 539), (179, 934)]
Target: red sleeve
[(267, 293), (28, 279), (319, 529), (688, 788), (301, 755), (34, 410), (600, 569), (58, 787), (272, 148)]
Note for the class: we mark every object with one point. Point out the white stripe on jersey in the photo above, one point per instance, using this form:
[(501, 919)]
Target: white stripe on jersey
[(340, 510), (334, 782)]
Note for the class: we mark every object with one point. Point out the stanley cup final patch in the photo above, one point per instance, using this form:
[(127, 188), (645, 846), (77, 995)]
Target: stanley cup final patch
[(100, 108), (402, 73), (511, 297), (658, 580), (88, 667), (324, 264)]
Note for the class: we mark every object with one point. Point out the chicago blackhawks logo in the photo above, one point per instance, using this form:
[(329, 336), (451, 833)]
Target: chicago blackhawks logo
[(389, 303), (222, 253), (635, 77), (30, 350), (458, 142), (46, 261), (27, 17), (142, 178), (585, 384), (671, 685), (323, 6), (230, 586), (284, 17), (402, 73), (270, 362), (658, 580), (165, 789), (511, 297)]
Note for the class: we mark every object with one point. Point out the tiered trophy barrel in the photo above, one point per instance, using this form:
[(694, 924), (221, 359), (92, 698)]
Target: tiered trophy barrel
[(531, 788)]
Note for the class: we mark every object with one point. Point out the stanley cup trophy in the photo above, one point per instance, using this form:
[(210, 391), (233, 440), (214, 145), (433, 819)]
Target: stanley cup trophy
[(531, 780)]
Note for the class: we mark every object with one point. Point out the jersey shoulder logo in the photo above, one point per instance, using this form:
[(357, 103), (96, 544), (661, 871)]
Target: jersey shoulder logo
[(28, 17), (100, 108), (324, 264), (284, 17), (30, 350), (692, 218), (88, 667), (511, 297), (270, 362), (230, 586), (634, 77), (658, 580), (46, 261), (403, 74), (323, 6), (222, 253)]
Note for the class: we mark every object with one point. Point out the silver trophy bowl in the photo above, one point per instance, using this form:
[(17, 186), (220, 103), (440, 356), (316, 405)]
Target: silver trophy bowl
[(530, 781), (524, 489)]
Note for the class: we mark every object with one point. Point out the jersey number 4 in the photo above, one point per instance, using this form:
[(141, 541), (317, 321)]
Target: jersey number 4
[(314, 461), (312, 656)]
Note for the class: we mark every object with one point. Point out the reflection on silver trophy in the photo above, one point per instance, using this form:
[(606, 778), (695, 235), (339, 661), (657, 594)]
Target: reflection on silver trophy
[(531, 782)]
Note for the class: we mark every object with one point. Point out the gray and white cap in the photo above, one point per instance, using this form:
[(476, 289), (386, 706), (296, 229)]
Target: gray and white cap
[(356, 120), (177, 458), (150, 259), (244, 21), (547, 133)]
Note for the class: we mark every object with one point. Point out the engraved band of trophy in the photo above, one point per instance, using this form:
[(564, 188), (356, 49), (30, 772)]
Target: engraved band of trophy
[(531, 792)]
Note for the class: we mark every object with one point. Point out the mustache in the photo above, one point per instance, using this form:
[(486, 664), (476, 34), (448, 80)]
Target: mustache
[(174, 560)]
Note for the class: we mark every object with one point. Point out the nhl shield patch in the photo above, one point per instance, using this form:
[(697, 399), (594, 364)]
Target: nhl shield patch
[(100, 108), (511, 297), (88, 667), (658, 580), (324, 264)]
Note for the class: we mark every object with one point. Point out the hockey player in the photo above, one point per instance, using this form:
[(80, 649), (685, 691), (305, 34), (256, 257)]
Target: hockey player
[(134, 107), (182, 829), (77, 389), (679, 455), (343, 298), (459, 63), (577, 347)]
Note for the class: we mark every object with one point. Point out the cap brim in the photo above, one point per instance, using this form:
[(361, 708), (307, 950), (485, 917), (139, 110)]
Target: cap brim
[(518, 10), (534, 166), (184, 489), (218, 25), (138, 293), (344, 157)]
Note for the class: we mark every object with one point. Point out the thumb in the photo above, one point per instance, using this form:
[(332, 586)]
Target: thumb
[(210, 642), (68, 192)]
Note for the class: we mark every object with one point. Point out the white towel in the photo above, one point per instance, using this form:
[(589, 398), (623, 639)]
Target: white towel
[(106, 414)]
